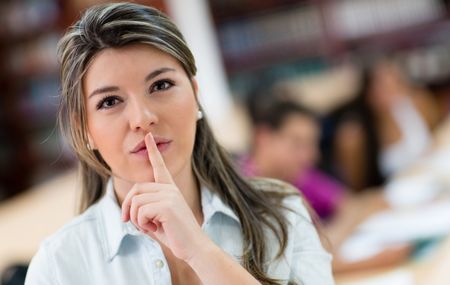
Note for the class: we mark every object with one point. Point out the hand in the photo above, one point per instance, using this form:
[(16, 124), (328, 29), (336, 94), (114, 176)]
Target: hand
[(159, 209)]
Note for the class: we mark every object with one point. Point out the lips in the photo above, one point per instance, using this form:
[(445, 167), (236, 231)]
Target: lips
[(161, 143)]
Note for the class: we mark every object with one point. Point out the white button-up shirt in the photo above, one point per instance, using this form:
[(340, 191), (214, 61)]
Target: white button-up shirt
[(98, 248)]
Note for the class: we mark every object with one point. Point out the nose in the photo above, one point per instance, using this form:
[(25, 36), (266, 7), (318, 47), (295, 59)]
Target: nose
[(141, 116)]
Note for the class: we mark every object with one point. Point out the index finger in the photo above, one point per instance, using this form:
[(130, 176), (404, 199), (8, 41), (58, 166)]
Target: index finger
[(160, 171)]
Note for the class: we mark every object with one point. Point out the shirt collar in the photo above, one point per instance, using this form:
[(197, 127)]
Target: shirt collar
[(113, 230), (212, 204)]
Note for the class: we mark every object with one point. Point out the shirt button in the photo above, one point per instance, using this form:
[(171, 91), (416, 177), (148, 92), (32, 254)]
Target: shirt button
[(159, 263)]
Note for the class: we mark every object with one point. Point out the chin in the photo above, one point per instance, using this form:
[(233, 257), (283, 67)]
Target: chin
[(290, 177), (144, 177), (139, 176)]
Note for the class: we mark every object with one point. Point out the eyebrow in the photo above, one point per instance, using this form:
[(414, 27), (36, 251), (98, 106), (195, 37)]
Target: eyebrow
[(157, 72), (149, 77), (103, 90)]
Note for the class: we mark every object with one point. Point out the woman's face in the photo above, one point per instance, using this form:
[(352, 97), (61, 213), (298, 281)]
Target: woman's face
[(297, 143), (294, 147), (131, 91)]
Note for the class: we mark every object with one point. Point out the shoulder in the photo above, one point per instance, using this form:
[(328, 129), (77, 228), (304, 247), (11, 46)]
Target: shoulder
[(319, 181), (64, 249), (284, 194), (79, 236), (304, 259), (80, 227), (271, 185)]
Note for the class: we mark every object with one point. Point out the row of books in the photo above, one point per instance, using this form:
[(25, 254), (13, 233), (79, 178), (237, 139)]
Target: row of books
[(306, 27), (294, 27), (352, 19)]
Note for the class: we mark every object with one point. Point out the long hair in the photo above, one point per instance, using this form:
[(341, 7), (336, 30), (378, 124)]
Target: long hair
[(114, 26), (359, 110)]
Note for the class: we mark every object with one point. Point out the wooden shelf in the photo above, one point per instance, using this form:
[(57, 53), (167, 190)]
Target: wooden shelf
[(229, 10)]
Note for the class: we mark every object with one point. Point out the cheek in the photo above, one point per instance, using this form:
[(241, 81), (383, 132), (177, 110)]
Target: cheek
[(281, 152), (307, 156), (183, 117), (180, 119), (107, 139)]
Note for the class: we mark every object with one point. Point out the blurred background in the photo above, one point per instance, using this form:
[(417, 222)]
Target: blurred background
[(374, 75)]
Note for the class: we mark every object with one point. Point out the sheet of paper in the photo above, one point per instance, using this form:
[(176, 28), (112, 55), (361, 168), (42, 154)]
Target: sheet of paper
[(396, 227), (406, 225), (414, 190), (397, 277), (424, 186)]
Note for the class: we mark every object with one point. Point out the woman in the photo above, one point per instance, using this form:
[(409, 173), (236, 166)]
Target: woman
[(161, 201), (384, 130)]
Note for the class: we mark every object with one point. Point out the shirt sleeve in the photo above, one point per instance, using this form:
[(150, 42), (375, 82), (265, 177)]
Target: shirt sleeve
[(40, 270), (311, 263)]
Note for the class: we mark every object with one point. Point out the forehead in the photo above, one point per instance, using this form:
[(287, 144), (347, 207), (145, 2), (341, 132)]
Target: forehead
[(129, 62), (299, 122)]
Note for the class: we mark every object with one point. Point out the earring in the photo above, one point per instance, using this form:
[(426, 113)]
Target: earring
[(199, 115)]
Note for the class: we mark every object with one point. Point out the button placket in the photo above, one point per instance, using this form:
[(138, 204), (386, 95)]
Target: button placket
[(159, 264)]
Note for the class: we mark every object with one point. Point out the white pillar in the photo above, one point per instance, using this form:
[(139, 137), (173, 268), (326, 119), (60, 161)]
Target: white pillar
[(193, 18)]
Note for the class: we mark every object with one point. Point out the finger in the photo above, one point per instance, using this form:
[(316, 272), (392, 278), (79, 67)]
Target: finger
[(147, 218), (160, 171), (150, 226), (141, 200), (138, 188), (126, 204), (136, 203)]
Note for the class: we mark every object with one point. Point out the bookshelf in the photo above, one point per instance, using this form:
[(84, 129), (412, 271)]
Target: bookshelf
[(262, 41), (28, 75)]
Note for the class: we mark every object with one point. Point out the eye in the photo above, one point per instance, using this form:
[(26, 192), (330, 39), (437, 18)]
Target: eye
[(161, 85), (108, 102)]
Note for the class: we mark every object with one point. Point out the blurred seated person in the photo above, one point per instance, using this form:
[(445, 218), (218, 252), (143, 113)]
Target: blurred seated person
[(285, 146), (385, 129)]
